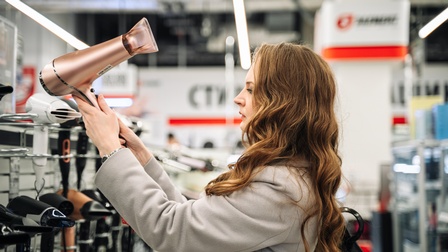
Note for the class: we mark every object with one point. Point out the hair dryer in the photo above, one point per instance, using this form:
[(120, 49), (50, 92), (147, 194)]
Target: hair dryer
[(73, 73), (85, 207), (82, 148), (17, 230), (48, 109), (10, 237), (60, 202), (20, 223), (41, 212), (63, 205)]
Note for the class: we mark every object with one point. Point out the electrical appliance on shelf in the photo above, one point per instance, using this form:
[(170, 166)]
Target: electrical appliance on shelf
[(48, 110)]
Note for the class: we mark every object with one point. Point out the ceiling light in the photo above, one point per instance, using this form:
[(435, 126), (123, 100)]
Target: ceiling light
[(241, 30), (433, 24), (45, 22)]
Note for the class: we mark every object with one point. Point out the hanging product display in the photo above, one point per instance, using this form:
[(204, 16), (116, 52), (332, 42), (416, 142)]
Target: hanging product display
[(48, 110)]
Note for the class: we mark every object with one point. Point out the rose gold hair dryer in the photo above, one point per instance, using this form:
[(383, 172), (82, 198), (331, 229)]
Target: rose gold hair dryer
[(73, 73)]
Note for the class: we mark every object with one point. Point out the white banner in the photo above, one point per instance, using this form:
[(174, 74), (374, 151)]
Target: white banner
[(118, 82), (362, 30), (364, 23)]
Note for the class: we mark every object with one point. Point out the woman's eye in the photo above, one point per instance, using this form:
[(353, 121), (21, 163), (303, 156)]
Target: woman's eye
[(249, 90)]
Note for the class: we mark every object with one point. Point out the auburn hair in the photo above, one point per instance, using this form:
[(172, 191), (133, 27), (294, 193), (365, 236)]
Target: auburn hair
[(294, 96)]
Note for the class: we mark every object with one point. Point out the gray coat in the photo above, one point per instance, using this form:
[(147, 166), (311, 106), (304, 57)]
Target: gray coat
[(260, 217)]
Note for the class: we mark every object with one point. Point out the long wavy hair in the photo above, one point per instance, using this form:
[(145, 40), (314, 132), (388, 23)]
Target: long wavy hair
[(294, 96)]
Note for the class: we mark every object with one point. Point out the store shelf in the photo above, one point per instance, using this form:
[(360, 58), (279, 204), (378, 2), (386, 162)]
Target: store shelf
[(419, 194)]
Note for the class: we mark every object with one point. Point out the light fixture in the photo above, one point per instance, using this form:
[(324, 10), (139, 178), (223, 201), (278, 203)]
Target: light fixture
[(406, 168), (119, 102), (48, 24), (241, 30), (433, 24)]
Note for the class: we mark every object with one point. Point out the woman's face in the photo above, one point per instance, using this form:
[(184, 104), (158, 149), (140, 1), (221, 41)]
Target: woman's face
[(244, 99)]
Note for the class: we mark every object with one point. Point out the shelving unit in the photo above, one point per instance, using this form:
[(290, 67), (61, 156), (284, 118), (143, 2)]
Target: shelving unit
[(419, 194)]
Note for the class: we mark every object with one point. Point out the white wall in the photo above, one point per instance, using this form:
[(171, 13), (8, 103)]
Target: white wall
[(40, 46), (364, 110), (365, 114), (167, 93)]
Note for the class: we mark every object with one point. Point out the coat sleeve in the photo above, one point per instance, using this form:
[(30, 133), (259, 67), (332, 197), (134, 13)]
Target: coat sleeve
[(247, 220), (156, 172)]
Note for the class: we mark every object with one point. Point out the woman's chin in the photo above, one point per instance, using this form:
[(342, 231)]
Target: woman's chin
[(242, 125)]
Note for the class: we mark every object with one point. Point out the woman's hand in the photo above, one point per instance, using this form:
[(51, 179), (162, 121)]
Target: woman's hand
[(102, 126), (134, 143)]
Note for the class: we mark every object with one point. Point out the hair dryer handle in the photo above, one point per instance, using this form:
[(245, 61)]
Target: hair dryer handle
[(81, 149), (64, 163)]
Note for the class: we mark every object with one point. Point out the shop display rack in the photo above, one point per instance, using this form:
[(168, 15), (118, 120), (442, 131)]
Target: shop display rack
[(419, 195)]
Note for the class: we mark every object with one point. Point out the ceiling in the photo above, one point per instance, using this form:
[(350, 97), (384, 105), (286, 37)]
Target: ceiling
[(190, 6), (193, 32)]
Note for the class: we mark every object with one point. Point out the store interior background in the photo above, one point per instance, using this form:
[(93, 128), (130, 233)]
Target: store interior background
[(187, 78)]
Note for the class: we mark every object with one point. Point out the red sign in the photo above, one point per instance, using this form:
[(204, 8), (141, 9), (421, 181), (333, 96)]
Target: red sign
[(25, 87)]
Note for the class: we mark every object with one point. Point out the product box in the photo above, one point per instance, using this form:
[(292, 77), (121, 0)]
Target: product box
[(440, 116)]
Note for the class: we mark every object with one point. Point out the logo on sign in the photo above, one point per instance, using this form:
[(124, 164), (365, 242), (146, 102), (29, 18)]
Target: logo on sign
[(345, 21)]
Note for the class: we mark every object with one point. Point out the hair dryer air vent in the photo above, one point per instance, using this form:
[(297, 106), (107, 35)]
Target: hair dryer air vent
[(50, 109), (73, 73)]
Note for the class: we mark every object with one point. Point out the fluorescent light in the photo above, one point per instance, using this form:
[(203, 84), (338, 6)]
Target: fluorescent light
[(45, 22), (119, 102), (241, 31), (405, 168), (433, 24)]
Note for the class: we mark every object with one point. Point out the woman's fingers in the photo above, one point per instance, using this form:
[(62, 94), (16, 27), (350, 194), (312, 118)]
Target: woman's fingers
[(87, 108), (83, 106), (80, 102), (103, 105), (122, 125)]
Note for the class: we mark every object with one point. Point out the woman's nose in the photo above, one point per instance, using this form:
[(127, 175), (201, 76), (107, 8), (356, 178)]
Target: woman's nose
[(238, 100)]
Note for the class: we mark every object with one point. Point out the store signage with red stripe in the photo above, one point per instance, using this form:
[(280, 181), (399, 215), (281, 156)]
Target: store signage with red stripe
[(365, 52), (363, 30), (204, 121)]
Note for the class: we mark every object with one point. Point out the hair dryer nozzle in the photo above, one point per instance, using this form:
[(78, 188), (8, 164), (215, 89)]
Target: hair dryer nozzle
[(140, 39), (85, 207), (73, 73), (58, 201), (94, 210)]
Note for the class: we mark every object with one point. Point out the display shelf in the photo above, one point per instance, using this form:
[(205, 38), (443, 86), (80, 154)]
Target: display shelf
[(418, 194)]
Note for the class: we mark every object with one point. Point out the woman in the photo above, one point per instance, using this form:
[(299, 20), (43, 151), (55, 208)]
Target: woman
[(278, 196)]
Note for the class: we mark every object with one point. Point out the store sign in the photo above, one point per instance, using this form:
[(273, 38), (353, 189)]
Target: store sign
[(206, 95), (348, 21), (363, 29)]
